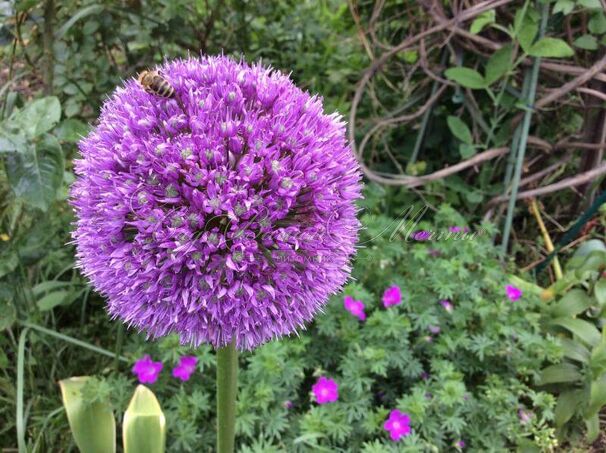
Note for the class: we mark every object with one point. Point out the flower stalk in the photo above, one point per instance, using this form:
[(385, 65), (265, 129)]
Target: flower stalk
[(227, 386)]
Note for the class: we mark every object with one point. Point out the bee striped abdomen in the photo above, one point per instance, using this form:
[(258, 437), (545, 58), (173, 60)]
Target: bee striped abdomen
[(155, 84)]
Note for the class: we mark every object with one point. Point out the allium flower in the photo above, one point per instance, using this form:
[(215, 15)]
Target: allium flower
[(355, 307), (146, 370), (392, 296), (398, 425), (460, 444), (185, 368), (325, 390), (225, 213), (513, 293), (447, 305)]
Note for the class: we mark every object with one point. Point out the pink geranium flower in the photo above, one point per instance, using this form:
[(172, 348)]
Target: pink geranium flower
[(513, 293), (146, 370), (392, 296), (325, 390), (185, 368), (447, 305), (398, 425), (355, 307)]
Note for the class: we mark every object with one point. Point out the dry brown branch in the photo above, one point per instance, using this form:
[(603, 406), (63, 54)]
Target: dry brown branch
[(555, 187)]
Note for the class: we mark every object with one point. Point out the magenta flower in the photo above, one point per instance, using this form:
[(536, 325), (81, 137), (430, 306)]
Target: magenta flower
[(421, 235), (525, 416), (226, 212), (455, 229), (460, 444), (392, 296), (185, 368), (146, 370), (325, 390), (447, 305), (355, 307), (398, 424), (434, 329), (287, 404), (513, 293)]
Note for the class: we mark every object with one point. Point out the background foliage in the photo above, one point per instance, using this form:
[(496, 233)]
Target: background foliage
[(423, 92)]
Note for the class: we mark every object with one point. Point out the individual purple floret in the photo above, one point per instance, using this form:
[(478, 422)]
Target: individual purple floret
[(224, 213)]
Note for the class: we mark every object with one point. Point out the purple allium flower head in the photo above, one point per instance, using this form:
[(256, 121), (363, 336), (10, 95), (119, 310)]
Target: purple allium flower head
[(398, 424), (225, 213), (185, 368), (355, 307), (447, 305), (325, 390), (392, 296), (460, 444), (146, 370), (513, 293)]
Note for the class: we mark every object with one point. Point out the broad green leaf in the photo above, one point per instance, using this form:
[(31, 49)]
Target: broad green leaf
[(550, 48), (566, 406), (92, 424), (563, 6), (590, 4), (11, 138), (574, 350), (597, 395), (484, 19), (467, 150), (562, 372), (499, 64), (8, 314), (144, 426), (71, 130), (592, 264), (459, 129), (526, 29), (466, 77), (586, 331), (592, 424), (51, 300), (35, 175), (38, 116), (598, 356), (572, 303), (597, 23), (599, 291), (8, 263), (586, 42)]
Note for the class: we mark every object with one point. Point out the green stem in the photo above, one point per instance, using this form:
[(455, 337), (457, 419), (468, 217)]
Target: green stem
[(517, 171), (227, 386), (20, 420)]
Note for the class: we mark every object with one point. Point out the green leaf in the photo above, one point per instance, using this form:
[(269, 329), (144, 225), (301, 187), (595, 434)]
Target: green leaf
[(484, 19), (586, 42), (599, 291), (466, 150), (562, 372), (144, 426), (51, 300), (11, 138), (526, 29), (71, 130), (550, 48), (590, 4), (466, 77), (499, 64), (8, 314), (566, 406), (35, 175), (563, 6), (592, 424), (8, 263), (459, 129), (597, 23), (572, 303), (83, 12), (92, 424), (586, 331), (38, 117), (574, 350), (597, 396)]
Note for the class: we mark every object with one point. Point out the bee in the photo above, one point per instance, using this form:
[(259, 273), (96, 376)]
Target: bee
[(153, 83)]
